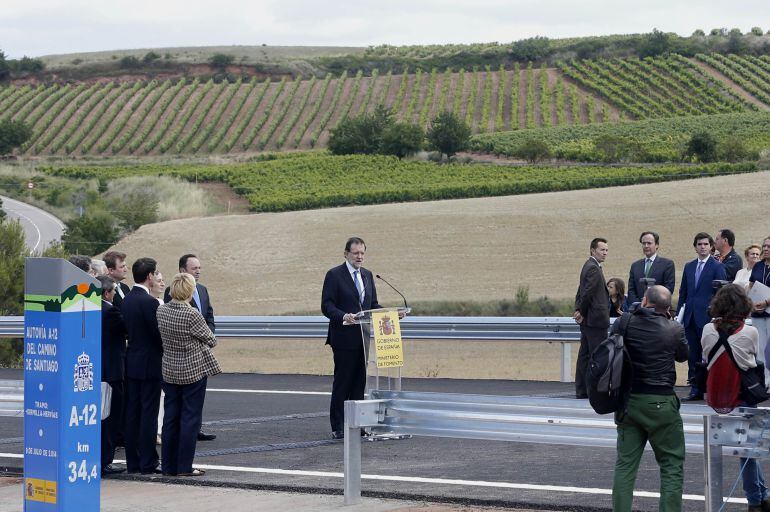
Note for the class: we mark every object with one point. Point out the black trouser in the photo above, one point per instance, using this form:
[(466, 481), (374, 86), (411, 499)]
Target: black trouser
[(112, 426), (349, 383), (693, 333), (182, 418), (142, 404), (590, 338)]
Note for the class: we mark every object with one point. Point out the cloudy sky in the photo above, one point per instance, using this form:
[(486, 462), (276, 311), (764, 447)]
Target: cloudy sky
[(42, 27)]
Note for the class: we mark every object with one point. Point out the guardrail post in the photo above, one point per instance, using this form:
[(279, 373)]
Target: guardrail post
[(712, 462), (566, 361), (352, 457)]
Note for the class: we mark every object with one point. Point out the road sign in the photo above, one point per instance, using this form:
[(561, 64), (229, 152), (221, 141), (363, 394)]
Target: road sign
[(62, 392)]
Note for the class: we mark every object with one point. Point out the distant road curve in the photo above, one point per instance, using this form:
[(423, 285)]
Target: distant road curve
[(40, 227)]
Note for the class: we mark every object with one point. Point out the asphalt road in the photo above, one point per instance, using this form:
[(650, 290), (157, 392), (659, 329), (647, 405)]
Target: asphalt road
[(40, 227), (280, 441)]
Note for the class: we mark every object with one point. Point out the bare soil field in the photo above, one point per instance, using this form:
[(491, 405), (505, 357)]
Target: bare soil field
[(473, 249)]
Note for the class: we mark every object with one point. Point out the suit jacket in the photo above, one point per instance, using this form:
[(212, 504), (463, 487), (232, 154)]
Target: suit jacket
[(113, 343), (339, 297), (187, 343), (662, 270), (206, 309), (733, 263), (592, 296), (145, 348), (117, 300), (698, 297)]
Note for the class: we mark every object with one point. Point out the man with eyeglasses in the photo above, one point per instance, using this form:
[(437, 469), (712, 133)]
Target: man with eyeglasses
[(113, 372)]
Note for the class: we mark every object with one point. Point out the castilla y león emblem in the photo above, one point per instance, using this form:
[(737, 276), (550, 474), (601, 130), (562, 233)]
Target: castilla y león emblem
[(84, 373), (386, 326)]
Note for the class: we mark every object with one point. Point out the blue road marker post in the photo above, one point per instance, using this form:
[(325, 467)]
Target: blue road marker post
[(62, 387)]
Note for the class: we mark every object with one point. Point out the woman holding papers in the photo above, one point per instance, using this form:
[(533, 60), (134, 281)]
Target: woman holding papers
[(761, 299), (752, 253)]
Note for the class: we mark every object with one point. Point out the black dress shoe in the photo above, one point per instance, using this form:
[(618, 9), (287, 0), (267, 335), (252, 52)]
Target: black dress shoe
[(338, 434), (111, 469), (581, 396), (693, 397), (202, 436), (153, 471)]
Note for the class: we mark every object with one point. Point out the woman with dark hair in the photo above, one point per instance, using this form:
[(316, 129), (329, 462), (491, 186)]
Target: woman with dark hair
[(729, 308), (618, 299)]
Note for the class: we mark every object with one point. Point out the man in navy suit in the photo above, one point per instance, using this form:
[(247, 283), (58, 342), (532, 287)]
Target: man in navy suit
[(113, 372), (143, 369), (695, 293), (190, 264), (652, 266), (591, 310), (117, 270), (348, 289)]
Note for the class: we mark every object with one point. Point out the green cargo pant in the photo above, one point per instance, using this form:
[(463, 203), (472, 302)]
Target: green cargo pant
[(653, 418)]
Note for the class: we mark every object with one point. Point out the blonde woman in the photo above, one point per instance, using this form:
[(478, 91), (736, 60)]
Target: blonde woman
[(156, 290), (752, 253), (187, 364)]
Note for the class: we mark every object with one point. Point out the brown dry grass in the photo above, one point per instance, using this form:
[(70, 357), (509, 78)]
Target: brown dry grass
[(473, 249)]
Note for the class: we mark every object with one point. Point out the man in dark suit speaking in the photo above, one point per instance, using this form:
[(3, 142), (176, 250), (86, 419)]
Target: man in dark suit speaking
[(652, 266), (348, 289), (592, 310), (190, 264)]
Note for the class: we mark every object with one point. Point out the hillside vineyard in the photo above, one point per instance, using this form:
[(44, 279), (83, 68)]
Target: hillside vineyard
[(183, 117)]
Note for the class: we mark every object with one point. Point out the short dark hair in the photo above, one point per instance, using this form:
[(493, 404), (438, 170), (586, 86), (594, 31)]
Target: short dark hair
[(354, 240), (108, 283), (654, 235), (701, 236), (728, 235), (731, 302), (142, 268), (658, 296), (81, 262), (595, 242), (183, 260), (111, 258)]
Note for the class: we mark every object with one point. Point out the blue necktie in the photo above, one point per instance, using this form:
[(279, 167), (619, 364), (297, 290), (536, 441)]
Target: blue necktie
[(359, 287), (698, 272), (197, 300)]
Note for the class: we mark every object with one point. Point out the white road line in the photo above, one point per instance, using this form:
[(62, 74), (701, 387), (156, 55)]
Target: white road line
[(269, 391), (39, 235), (441, 481)]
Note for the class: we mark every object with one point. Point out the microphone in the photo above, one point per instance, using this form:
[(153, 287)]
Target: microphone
[(378, 276)]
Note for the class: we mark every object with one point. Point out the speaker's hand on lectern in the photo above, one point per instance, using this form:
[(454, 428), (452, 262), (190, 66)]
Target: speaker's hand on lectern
[(349, 318)]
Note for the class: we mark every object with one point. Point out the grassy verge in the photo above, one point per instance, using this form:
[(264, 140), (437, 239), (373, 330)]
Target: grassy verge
[(306, 181)]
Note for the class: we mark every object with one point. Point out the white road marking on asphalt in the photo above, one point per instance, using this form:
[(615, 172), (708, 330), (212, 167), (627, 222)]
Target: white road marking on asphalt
[(416, 479), (269, 391), (39, 234)]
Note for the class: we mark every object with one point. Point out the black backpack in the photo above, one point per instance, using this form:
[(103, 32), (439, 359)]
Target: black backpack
[(608, 378)]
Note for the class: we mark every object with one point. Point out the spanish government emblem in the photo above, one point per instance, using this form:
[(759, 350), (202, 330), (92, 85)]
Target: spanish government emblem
[(84, 373)]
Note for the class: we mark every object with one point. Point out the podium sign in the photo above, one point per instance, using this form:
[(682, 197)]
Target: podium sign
[(388, 348), (62, 374)]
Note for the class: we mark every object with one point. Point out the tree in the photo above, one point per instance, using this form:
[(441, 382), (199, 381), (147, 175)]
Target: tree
[(5, 70), (756, 31), (90, 234), (221, 60), (534, 150), (13, 250), (448, 134), (361, 134), (701, 146), (699, 33), (129, 62), (149, 57), (12, 135), (2, 212), (732, 149), (656, 43), (402, 139)]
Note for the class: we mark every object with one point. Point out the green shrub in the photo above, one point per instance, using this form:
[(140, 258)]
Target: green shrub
[(701, 147), (90, 234), (448, 134), (402, 139), (534, 150)]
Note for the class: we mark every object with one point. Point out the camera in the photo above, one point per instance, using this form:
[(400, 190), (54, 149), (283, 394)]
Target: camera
[(719, 283), (645, 282)]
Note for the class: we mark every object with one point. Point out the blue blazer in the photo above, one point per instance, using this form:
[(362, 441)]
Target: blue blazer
[(698, 297), (339, 297)]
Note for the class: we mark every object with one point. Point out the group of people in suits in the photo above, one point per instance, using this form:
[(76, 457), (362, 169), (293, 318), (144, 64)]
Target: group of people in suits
[(716, 263), (149, 345)]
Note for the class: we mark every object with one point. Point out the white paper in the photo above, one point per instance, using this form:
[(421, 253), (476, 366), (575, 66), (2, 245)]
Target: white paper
[(759, 293), (680, 316)]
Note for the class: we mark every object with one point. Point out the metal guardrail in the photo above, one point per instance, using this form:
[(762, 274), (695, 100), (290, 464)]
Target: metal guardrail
[(546, 329), (510, 418)]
